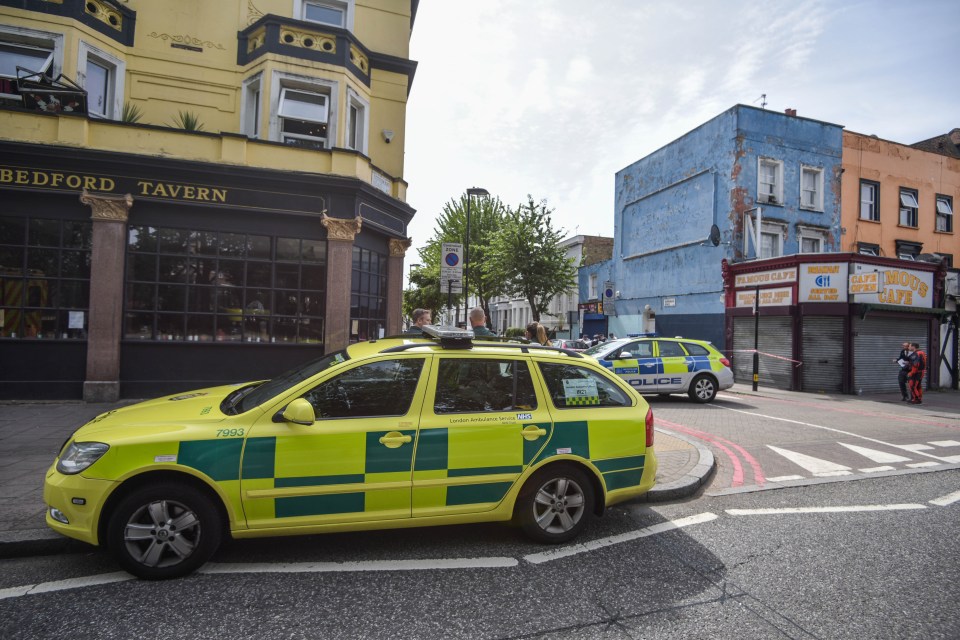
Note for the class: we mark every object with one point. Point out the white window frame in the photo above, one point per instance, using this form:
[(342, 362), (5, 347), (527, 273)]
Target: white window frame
[(251, 106), (764, 195), (347, 6), (356, 101), (281, 80), (868, 251), (817, 172), (34, 38), (776, 231), (873, 211), (593, 286), (909, 207), (944, 214), (117, 69), (810, 233)]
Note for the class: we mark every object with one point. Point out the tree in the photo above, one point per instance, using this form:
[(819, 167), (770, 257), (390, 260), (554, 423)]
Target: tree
[(527, 257), (486, 216)]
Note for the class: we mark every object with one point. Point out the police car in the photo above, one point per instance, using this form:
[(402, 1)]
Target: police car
[(397, 432), (667, 365)]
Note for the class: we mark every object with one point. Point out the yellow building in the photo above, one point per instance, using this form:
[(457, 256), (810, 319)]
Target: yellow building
[(197, 192)]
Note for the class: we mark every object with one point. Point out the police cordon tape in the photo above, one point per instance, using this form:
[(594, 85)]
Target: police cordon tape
[(771, 355)]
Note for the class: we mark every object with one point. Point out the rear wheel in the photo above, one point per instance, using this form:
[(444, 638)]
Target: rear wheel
[(555, 504), (164, 531), (703, 389)]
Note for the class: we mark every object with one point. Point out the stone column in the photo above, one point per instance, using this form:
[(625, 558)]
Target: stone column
[(105, 325), (398, 249), (340, 235)]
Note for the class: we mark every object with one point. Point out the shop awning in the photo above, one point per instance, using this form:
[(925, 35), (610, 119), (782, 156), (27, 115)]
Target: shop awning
[(866, 308)]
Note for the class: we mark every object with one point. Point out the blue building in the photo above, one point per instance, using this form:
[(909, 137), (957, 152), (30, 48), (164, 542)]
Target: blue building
[(746, 170)]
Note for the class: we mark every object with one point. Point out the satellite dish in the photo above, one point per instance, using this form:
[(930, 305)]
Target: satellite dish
[(715, 235)]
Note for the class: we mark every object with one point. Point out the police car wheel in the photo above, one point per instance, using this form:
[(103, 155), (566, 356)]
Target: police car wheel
[(555, 504), (164, 531), (703, 389)]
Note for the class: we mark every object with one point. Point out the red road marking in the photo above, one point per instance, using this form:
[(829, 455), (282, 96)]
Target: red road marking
[(759, 478)]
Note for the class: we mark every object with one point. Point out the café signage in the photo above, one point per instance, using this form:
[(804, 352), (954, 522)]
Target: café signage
[(777, 276), (901, 287), (823, 282), (779, 297)]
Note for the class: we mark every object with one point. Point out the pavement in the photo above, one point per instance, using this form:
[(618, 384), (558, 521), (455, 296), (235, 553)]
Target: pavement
[(31, 434)]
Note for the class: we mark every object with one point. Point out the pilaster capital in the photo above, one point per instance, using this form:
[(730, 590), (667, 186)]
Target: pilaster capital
[(108, 207), (340, 229), (398, 247)]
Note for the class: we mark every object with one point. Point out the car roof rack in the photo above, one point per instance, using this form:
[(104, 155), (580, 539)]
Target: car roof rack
[(456, 338)]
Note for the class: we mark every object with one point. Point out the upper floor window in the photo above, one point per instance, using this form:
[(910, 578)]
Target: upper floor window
[(944, 213), (593, 287), (868, 249), (35, 51), (908, 250), (37, 59), (304, 118), (102, 75), (357, 122), (335, 13), (947, 258), (811, 188), (770, 181), (870, 200), (250, 108), (909, 208), (811, 240), (771, 240)]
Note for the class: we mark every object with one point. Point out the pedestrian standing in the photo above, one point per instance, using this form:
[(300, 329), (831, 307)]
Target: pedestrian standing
[(903, 361), (536, 333), (478, 322), (420, 318), (918, 366)]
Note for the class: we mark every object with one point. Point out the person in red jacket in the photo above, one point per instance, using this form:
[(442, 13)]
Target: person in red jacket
[(918, 364)]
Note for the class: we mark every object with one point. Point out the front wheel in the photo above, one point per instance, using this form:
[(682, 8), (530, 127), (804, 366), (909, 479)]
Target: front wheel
[(555, 504), (164, 531), (703, 389)]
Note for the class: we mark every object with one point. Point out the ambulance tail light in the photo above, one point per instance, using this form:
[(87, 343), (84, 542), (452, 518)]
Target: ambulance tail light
[(649, 425), (725, 362)]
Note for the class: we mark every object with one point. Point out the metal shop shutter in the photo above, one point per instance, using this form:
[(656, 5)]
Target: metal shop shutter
[(876, 343), (822, 356), (776, 338)]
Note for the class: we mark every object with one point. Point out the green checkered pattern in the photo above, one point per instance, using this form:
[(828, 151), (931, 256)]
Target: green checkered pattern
[(571, 402)]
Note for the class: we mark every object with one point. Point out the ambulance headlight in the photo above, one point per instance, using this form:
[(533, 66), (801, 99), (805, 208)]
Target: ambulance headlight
[(80, 455)]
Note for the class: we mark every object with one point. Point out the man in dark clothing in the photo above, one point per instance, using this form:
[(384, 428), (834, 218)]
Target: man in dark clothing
[(903, 361), (918, 361), (478, 322), (420, 317)]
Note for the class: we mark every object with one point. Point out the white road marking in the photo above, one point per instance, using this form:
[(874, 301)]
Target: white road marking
[(877, 469), (920, 465), (916, 447), (62, 585), (816, 466), (951, 459), (373, 565), (593, 545), (950, 498), (945, 443), (785, 478), (877, 456), (790, 510)]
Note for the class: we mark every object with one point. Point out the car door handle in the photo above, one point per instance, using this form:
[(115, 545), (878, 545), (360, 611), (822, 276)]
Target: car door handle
[(532, 432), (394, 439)]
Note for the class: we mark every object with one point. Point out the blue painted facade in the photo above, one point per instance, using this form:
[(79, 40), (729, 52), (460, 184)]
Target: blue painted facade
[(667, 202)]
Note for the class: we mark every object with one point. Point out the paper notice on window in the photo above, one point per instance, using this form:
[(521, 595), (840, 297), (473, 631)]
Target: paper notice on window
[(580, 391), (75, 320)]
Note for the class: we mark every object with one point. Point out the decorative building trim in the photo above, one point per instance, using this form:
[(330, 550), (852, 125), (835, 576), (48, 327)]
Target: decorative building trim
[(398, 248), (340, 229), (308, 40), (187, 40), (256, 40), (253, 14), (104, 13), (359, 60), (108, 208)]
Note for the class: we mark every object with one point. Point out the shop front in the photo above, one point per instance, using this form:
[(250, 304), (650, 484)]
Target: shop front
[(831, 323), (132, 276)]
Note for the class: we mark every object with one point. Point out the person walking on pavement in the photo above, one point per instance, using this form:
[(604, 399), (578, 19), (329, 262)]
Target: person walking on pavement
[(918, 360), (903, 361), (478, 322), (536, 333), (420, 317)]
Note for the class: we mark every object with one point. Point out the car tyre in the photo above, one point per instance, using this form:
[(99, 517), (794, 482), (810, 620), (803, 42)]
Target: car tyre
[(164, 531), (555, 504), (703, 389)]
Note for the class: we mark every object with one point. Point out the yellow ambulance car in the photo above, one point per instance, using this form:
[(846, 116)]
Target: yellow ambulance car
[(396, 432)]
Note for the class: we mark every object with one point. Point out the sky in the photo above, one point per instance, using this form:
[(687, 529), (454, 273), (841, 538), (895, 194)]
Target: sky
[(552, 97)]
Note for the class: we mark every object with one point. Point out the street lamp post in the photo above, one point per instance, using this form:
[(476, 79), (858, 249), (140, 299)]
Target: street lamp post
[(472, 191)]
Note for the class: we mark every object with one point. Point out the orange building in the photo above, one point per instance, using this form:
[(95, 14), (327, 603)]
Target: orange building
[(898, 201)]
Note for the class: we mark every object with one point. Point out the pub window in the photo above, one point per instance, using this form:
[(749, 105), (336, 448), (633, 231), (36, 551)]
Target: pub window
[(304, 117), (335, 13), (36, 51), (44, 278), (102, 75), (218, 286), (368, 294), (357, 122)]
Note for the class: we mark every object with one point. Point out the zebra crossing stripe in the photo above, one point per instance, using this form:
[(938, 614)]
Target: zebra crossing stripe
[(950, 498), (945, 443), (816, 466), (885, 467)]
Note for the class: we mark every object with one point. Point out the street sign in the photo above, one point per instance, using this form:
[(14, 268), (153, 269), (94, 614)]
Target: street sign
[(608, 296), (451, 267)]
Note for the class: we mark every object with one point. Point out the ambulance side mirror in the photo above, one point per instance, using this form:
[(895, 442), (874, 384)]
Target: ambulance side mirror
[(298, 412)]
